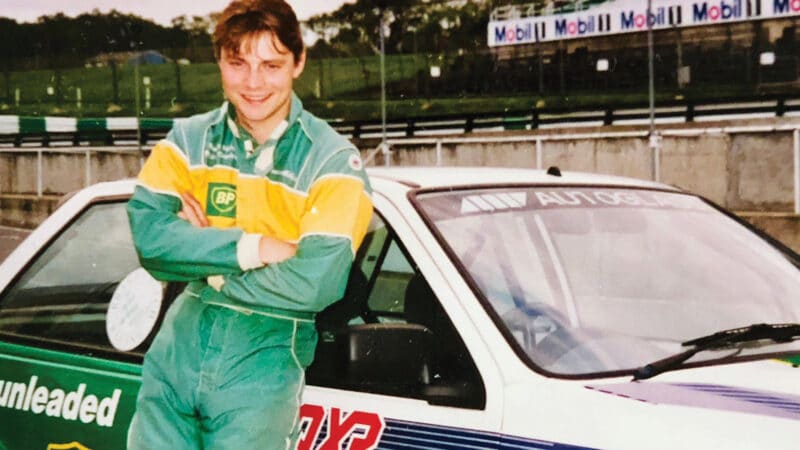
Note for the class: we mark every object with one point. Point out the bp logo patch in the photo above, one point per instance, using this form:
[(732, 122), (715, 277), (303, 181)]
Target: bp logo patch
[(221, 200)]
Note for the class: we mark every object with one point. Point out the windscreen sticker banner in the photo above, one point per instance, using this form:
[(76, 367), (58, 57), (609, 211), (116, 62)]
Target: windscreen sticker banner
[(334, 429), (576, 198), (608, 197), (55, 402)]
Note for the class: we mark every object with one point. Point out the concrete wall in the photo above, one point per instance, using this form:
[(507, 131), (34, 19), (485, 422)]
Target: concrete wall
[(741, 171), (748, 172), (62, 171)]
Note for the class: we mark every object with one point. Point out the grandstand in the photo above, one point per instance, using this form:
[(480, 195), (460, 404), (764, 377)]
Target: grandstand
[(699, 46), (543, 8)]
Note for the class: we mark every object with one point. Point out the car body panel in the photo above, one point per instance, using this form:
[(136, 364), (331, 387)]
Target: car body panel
[(753, 404)]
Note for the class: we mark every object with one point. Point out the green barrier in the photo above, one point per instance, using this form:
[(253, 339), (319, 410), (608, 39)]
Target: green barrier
[(516, 123), (155, 124), (32, 125), (92, 124)]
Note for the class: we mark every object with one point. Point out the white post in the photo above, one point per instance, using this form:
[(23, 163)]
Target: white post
[(78, 98), (39, 183), (438, 152), (136, 102), (796, 135), (88, 168), (539, 155), (654, 141), (383, 82)]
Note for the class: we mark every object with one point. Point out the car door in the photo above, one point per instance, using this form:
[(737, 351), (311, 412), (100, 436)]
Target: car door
[(62, 384), (391, 369)]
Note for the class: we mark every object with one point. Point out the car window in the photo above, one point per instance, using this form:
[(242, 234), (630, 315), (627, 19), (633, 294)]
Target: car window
[(386, 296), (62, 297)]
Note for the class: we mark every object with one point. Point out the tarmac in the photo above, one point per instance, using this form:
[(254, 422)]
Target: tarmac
[(9, 239)]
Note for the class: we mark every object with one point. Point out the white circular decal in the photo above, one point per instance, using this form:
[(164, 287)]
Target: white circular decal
[(133, 310), (355, 162)]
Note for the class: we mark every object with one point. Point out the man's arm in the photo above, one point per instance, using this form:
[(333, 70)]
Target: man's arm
[(338, 212), (169, 247)]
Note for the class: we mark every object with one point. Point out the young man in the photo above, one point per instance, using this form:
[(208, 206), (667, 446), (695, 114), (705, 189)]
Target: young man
[(260, 207)]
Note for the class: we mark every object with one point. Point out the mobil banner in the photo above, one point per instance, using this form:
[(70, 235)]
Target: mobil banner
[(626, 16)]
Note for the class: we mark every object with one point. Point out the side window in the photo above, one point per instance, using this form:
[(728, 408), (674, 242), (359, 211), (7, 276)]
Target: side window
[(389, 334), (61, 300)]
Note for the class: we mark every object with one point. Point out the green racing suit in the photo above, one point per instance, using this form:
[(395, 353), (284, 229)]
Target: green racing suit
[(226, 368)]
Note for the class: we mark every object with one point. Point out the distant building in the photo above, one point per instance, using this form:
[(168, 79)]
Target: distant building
[(142, 57)]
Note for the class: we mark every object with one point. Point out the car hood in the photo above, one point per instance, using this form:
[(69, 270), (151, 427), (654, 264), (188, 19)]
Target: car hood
[(742, 406), (767, 388)]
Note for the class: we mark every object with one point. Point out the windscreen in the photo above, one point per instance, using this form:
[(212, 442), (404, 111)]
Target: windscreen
[(592, 280)]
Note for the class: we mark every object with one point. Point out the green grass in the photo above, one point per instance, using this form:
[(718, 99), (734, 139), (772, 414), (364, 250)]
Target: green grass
[(343, 88), (200, 88)]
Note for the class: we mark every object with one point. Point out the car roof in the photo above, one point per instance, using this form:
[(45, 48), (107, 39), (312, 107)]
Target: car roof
[(440, 177), (409, 177)]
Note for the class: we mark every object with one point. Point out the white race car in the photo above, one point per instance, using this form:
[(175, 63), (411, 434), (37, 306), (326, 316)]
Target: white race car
[(486, 309)]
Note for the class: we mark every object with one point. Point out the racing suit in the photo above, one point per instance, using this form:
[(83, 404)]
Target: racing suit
[(226, 369)]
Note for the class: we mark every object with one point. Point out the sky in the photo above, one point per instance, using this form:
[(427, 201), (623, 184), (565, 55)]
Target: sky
[(159, 11)]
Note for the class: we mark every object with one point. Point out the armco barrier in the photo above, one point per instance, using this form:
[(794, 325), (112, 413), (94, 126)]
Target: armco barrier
[(44, 131), (19, 130)]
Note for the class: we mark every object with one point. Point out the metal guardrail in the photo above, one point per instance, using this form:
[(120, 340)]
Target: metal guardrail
[(394, 144), (18, 131)]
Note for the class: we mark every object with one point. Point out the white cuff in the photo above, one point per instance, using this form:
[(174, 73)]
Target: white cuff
[(247, 251), (216, 282)]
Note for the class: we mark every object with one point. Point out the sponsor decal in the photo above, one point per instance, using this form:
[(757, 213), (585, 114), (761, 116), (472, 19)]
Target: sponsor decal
[(355, 162), (55, 402), (632, 20), (600, 198), (219, 154), (714, 12), (710, 396), (583, 25), (519, 33), (221, 201), (70, 446), (332, 429), (785, 6), (577, 198), (361, 430), (630, 16)]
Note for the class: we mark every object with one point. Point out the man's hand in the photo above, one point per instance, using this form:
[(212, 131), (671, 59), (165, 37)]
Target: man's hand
[(273, 251), (193, 211)]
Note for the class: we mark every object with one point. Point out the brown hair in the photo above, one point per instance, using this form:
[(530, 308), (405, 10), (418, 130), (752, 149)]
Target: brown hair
[(243, 19)]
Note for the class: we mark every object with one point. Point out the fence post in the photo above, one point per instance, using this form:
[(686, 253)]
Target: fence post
[(438, 152), (796, 135), (88, 168), (539, 155), (39, 183)]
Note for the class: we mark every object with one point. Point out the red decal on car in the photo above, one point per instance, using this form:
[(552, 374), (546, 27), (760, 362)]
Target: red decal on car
[(362, 430)]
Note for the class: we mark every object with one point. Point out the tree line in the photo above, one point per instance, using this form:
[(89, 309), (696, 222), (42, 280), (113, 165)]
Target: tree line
[(411, 26), (58, 41)]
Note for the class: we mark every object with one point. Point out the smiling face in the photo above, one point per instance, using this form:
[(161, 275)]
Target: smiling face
[(258, 81)]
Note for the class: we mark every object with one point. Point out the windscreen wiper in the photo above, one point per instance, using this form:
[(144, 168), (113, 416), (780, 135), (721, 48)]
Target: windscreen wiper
[(777, 333)]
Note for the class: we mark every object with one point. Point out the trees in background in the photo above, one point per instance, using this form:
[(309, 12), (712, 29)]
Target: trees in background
[(59, 41), (413, 25)]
